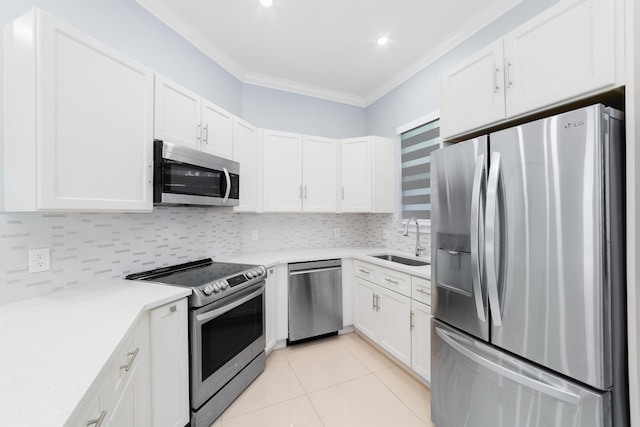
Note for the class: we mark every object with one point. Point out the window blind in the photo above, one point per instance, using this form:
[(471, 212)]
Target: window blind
[(416, 147)]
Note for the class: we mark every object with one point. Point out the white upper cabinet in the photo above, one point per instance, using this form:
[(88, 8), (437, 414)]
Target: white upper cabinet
[(319, 174), (217, 130), (247, 150), (473, 91), (300, 173), (367, 182), (177, 114), (184, 117), (282, 171), (569, 52), (78, 121)]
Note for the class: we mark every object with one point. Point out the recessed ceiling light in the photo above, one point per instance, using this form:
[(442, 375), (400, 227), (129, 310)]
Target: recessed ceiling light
[(382, 40), (266, 3)]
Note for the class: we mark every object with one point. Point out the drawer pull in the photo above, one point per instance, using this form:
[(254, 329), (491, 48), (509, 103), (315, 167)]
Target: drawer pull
[(395, 282), (364, 271), (172, 309), (133, 357), (98, 421), (422, 291)]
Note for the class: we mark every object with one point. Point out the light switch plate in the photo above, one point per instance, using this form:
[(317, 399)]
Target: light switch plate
[(336, 232), (254, 235), (39, 260)]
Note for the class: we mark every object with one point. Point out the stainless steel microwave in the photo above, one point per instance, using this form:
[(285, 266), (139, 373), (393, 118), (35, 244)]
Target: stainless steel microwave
[(184, 176)]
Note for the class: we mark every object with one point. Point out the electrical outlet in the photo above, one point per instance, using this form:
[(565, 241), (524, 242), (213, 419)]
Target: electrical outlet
[(336, 232), (39, 260), (254, 235), (386, 234)]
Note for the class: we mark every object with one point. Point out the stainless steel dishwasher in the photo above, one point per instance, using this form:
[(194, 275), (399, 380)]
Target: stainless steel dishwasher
[(315, 299)]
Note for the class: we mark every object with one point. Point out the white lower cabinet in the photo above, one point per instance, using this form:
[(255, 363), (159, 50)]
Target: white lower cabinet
[(393, 309), (169, 364), (146, 380), (421, 339), (384, 317), (271, 295)]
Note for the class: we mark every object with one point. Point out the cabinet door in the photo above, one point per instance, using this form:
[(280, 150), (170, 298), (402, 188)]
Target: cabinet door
[(473, 92), (247, 150), (169, 365), (355, 175), (282, 171), (271, 294), (395, 325), (95, 113), (366, 316), (566, 51), (217, 130), (177, 114), (384, 168), (421, 340), (320, 174)]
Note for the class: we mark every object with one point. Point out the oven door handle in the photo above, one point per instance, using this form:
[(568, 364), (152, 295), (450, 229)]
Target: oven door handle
[(228, 178), (201, 318)]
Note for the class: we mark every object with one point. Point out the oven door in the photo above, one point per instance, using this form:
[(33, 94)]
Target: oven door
[(225, 336)]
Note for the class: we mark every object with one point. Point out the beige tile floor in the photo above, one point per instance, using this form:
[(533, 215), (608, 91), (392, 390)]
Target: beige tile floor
[(340, 381)]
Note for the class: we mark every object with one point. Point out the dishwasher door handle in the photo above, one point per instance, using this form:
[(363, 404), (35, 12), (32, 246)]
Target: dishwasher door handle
[(315, 270)]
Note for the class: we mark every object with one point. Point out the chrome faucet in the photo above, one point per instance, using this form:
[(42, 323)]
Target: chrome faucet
[(419, 248)]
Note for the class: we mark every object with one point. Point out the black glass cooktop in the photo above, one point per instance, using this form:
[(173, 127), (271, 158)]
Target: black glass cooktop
[(193, 274)]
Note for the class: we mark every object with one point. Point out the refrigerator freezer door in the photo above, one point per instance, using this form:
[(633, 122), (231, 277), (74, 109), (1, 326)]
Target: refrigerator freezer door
[(477, 385), (458, 178), (550, 254)]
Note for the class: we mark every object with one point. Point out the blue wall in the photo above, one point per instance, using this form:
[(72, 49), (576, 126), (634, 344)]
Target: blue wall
[(280, 110)]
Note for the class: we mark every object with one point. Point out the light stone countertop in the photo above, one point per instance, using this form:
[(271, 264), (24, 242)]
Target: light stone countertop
[(270, 259), (54, 347)]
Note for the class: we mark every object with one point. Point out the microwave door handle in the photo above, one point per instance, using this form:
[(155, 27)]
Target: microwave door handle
[(228, 178)]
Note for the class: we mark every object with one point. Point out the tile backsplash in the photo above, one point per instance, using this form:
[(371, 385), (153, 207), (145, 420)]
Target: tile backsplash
[(90, 247)]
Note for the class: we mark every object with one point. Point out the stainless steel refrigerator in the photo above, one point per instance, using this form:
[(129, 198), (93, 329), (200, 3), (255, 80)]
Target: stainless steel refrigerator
[(528, 276)]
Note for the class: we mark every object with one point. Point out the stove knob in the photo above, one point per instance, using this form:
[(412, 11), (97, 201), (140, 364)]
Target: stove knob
[(224, 284), (208, 290), (249, 274), (216, 287)]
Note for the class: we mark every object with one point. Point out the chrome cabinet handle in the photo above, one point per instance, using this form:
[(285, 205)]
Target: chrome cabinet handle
[(342, 193), (496, 70), (98, 421), (490, 238), (422, 291), (206, 133), (364, 271), (411, 316), (198, 133), (476, 221), (172, 309), (373, 301), (508, 81), (301, 191), (305, 191), (395, 282), (377, 302), (133, 355), (228, 178)]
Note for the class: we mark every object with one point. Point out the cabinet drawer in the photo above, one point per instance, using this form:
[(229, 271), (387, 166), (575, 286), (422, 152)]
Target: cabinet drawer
[(395, 281), (421, 290), (366, 271), (128, 355)]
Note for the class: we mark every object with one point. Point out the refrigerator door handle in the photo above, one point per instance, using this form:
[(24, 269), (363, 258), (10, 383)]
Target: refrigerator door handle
[(476, 221), (490, 238), (520, 378)]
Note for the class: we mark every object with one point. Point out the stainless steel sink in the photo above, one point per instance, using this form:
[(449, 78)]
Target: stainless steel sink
[(401, 260)]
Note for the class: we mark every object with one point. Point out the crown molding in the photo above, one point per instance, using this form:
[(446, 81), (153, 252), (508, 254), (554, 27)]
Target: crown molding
[(219, 56)]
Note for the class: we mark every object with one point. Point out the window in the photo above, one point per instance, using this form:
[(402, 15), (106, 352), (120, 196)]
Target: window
[(418, 139)]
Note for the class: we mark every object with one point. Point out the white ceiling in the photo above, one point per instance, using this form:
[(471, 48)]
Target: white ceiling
[(326, 48)]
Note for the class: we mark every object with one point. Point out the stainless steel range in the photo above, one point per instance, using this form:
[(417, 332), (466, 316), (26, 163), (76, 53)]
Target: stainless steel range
[(226, 330)]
